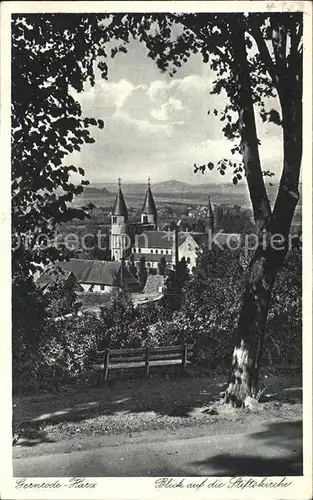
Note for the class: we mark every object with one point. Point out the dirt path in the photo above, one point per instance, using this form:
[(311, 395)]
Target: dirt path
[(146, 410), (261, 450)]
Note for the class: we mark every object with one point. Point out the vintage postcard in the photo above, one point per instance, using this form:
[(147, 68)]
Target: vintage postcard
[(156, 229)]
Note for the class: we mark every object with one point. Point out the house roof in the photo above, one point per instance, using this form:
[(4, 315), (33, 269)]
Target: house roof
[(53, 275), (221, 238), (120, 205), (153, 284), (98, 272)]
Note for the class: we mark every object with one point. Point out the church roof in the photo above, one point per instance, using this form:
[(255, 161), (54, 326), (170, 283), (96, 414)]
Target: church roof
[(148, 204), (158, 239), (120, 205)]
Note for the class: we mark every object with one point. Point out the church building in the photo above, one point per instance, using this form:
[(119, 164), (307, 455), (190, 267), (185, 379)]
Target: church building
[(145, 239), (129, 243)]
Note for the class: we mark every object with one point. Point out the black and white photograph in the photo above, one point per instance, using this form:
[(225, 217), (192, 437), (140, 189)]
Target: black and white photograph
[(161, 225)]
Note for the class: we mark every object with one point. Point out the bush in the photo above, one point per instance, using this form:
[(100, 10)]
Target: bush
[(283, 336), (63, 354), (51, 354), (207, 318), (211, 306), (65, 349)]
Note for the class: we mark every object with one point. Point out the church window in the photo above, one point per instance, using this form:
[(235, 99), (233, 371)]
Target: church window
[(161, 251), (151, 251), (114, 220), (188, 260), (139, 250), (134, 250), (145, 219), (166, 251), (157, 251)]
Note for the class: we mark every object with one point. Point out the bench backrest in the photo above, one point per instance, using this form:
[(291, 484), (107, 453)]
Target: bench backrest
[(141, 354), (160, 353)]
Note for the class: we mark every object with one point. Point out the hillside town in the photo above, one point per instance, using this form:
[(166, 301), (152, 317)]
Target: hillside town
[(141, 253)]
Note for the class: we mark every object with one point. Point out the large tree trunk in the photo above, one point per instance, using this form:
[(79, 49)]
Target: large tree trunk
[(269, 255), (263, 268), (247, 127)]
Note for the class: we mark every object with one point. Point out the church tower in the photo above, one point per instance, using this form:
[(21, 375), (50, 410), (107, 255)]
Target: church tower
[(210, 219), (119, 238), (149, 213)]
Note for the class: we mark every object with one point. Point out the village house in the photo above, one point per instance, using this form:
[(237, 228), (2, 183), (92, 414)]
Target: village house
[(93, 275)]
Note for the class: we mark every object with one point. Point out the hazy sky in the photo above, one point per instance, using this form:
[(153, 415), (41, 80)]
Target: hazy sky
[(157, 125)]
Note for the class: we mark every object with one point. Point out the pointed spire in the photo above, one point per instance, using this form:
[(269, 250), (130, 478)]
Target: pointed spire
[(210, 217), (149, 207), (120, 205), (210, 210)]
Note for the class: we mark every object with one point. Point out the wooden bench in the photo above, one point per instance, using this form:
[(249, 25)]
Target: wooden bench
[(114, 359)]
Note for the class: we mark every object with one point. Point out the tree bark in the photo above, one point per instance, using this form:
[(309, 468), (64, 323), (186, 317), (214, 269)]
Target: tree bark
[(247, 126), (263, 268), (269, 255)]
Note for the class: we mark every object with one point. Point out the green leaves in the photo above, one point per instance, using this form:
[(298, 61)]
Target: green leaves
[(222, 166), (50, 55), (271, 116), (267, 173), (100, 124)]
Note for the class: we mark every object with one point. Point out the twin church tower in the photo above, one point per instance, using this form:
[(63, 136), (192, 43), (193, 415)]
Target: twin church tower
[(144, 239), (122, 233)]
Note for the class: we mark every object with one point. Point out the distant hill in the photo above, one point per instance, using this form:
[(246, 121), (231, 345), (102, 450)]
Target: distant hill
[(127, 187), (91, 190), (165, 187), (173, 186), (218, 191)]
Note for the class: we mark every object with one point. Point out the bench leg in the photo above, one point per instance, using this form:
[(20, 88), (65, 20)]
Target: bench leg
[(184, 359), (106, 364), (147, 366)]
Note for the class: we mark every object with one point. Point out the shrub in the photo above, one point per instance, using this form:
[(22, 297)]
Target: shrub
[(63, 354), (283, 336), (211, 307), (52, 354)]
